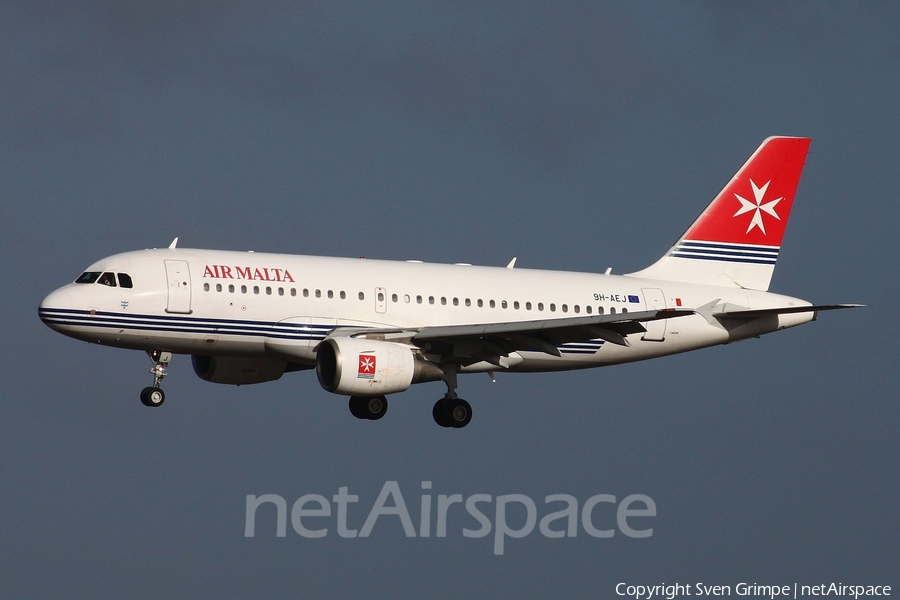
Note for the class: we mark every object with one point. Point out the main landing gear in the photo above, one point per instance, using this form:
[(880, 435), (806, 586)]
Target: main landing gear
[(154, 396), (368, 407), (451, 410)]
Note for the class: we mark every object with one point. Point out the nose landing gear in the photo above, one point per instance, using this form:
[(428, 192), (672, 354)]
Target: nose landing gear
[(154, 396)]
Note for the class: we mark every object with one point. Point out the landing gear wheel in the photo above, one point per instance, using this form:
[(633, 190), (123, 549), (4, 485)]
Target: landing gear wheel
[(376, 407), (152, 396), (452, 412), (459, 413), (439, 412), (357, 407), (368, 407)]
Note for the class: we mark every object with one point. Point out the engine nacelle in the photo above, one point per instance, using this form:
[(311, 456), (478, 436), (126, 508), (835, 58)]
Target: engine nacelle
[(237, 371), (361, 367)]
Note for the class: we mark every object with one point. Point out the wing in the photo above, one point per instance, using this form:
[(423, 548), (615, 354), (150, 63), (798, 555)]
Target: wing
[(492, 342)]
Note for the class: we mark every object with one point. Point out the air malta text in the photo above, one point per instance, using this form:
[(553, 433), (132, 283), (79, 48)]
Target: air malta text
[(252, 273)]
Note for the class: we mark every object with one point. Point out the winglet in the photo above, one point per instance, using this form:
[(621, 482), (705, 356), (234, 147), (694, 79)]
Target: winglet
[(173, 244), (512, 263)]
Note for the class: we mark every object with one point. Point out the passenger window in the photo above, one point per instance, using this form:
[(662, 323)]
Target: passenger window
[(430, 299), (218, 287), (243, 289), (577, 309), (587, 309), (456, 302), (492, 304), (565, 308), (381, 296), (318, 293), (330, 294), (516, 305), (107, 279), (443, 300), (205, 287), (293, 291), (281, 291), (552, 307), (268, 291), (305, 293), (406, 298), (528, 306), (599, 310), (468, 302), (612, 310), (125, 280), (418, 299), (503, 304), (540, 306), (231, 288), (255, 289), (362, 296), (88, 277), (480, 303), (343, 295)]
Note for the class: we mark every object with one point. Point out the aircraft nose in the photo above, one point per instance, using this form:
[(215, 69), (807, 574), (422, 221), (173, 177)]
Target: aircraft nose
[(50, 307)]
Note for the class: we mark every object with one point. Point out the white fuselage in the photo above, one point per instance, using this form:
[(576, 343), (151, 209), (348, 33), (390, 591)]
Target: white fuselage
[(223, 303)]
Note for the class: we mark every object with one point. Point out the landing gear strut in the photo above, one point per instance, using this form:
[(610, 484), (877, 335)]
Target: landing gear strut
[(451, 410), (154, 396), (368, 407)]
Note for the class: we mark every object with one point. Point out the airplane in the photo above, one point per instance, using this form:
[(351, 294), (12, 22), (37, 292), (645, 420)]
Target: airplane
[(371, 328)]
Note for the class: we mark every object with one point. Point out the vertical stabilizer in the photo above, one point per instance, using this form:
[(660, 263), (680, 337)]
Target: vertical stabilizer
[(735, 241)]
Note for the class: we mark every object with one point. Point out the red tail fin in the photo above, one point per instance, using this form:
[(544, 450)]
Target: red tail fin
[(755, 205), (735, 241)]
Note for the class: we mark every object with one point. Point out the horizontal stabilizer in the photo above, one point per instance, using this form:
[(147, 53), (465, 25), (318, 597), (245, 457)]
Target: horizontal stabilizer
[(765, 312)]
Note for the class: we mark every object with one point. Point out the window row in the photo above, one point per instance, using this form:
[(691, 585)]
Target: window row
[(269, 291), (516, 305), (443, 300)]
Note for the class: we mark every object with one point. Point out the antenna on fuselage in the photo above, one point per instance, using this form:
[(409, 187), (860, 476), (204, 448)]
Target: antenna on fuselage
[(173, 244)]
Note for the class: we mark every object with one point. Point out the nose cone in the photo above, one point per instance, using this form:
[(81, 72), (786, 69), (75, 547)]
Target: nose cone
[(55, 307)]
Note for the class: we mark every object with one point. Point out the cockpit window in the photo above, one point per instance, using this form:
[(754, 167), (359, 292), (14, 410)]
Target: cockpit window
[(125, 280), (107, 279), (88, 277)]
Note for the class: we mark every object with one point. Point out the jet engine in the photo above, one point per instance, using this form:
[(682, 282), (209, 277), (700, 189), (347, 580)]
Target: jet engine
[(238, 371), (362, 367)]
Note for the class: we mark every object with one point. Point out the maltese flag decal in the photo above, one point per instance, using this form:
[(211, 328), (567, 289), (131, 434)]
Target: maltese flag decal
[(736, 240), (366, 366)]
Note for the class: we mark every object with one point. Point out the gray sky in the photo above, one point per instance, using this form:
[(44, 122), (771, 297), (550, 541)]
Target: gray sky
[(574, 136)]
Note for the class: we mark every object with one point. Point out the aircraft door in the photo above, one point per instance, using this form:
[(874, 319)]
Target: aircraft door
[(178, 276), (655, 300), (380, 300)]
